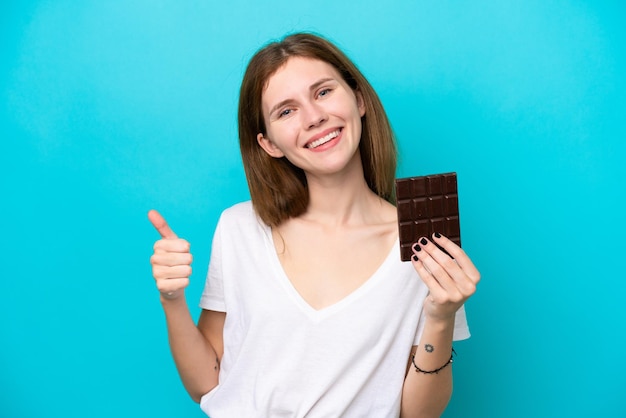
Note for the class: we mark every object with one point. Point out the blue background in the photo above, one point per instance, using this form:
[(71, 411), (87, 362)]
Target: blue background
[(111, 108)]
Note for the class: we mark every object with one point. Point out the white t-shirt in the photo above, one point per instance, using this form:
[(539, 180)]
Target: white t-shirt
[(282, 358)]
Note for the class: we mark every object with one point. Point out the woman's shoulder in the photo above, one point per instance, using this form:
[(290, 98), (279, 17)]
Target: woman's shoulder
[(242, 212), (239, 209)]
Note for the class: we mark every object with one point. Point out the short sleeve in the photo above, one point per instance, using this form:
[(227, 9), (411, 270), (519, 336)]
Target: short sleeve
[(461, 330), (213, 294)]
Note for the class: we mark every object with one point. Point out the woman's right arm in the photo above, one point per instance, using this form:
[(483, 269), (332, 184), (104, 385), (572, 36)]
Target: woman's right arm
[(196, 349)]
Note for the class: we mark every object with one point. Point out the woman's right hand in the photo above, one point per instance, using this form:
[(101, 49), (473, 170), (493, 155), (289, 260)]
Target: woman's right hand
[(171, 261)]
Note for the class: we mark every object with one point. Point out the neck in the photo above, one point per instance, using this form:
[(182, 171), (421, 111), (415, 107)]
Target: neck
[(343, 198)]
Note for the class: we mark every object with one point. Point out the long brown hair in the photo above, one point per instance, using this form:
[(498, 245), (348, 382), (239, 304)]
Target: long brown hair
[(278, 189)]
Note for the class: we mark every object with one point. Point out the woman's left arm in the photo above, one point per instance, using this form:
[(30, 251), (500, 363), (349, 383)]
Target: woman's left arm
[(451, 281)]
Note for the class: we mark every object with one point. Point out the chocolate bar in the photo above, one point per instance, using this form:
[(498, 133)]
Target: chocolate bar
[(427, 204)]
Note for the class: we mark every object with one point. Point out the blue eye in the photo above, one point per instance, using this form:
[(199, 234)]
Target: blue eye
[(324, 92), (285, 112)]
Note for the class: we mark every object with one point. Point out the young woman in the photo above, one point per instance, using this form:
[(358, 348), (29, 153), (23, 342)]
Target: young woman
[(307, 309)]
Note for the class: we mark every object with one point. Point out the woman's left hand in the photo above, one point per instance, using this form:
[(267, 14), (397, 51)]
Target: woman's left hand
[(451, 280)]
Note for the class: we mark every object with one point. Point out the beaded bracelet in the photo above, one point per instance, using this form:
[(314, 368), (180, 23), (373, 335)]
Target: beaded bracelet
[(417, 369)]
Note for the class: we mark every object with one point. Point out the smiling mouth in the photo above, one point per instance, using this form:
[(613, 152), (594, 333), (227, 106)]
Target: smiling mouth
[(324, 139)]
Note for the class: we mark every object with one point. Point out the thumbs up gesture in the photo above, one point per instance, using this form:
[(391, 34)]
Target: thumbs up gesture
[(171, 261)]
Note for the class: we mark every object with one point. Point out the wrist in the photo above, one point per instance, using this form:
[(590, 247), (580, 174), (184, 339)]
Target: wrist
[(172, 297), (438, 369)]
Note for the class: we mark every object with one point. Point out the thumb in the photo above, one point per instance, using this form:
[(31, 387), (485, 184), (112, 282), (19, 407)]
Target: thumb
[(161, 225)]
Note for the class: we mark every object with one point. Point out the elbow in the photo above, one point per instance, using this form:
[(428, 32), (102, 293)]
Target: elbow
[(432, 412), (198, 392), (433, 406), (197, 395)]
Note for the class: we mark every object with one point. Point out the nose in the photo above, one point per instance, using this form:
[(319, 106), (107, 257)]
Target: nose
[(315, 115)]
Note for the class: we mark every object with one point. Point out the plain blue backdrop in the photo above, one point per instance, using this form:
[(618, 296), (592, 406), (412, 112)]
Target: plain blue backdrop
[(111, 108)]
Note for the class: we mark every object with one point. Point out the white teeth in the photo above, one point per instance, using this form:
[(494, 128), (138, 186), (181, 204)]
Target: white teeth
[(323, 139)]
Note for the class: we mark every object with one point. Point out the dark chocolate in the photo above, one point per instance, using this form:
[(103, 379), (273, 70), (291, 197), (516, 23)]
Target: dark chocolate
[(427, 204)]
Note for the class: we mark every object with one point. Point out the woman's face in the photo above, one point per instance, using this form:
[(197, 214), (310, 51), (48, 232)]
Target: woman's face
[(312, 116)]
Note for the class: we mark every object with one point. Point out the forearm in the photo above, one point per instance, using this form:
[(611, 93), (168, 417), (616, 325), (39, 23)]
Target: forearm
[(195, 359), (428, 394)]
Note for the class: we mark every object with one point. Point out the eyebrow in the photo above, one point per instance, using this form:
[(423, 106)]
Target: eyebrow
[(311, 88)]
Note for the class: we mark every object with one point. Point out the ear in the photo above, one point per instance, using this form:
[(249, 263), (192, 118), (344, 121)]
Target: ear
[(269, 147), (360, 102)]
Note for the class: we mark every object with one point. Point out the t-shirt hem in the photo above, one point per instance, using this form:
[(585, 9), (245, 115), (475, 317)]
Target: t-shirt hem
[(212, 305), (461, 334)]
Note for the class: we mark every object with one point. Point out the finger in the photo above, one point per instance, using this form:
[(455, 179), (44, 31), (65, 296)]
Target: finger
[(175, 272), (437, 293), (161, 225), (431, 283), (171, 259), (459, 255), (442, 274), (446, 269), (176, 245)]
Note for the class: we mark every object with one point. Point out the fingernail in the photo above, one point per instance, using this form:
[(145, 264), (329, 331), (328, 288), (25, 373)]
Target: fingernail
[(414, 257), (416, 247), (437, 235), (423, 241)]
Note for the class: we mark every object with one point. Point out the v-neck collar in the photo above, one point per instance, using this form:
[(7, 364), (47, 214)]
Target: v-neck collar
[(303, 305)]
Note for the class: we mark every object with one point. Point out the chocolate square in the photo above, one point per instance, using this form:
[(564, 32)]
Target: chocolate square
[(427, 204)]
